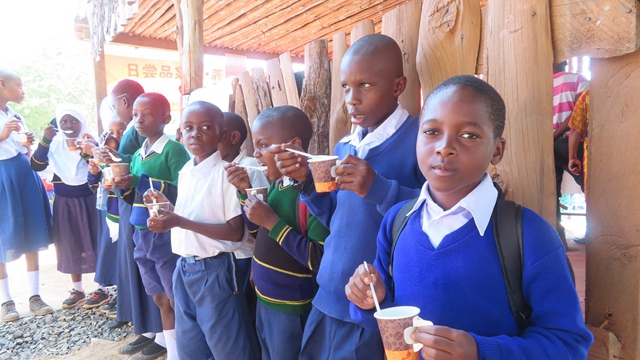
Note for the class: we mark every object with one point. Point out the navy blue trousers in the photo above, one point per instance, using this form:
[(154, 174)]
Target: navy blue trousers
[(280, 333)]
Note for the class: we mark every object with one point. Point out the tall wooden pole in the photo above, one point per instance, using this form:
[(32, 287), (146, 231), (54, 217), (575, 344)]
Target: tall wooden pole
[(520, 67), (189, 15), (316, 94), (613, 251), (339, 124), (100, 76)]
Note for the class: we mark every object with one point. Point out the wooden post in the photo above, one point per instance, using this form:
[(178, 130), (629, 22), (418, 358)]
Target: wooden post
[(339, 125), (613, 253), (261, 88), (316, 94), (189, 15), (594, 28), (449, 41), (520, 68), (100, 76), (249, 96), (481, 64), (403, 25), (289, 80), (276, 83), (364, 28), (241, 110)]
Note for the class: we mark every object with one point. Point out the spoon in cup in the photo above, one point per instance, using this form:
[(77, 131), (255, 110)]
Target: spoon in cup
[(373, 291)]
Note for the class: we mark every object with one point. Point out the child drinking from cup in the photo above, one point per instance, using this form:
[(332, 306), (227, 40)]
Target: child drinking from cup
[(446, 260), (289, 240), (212, 319), (155, 165), (75, 218), (25, 217), (379, 169)]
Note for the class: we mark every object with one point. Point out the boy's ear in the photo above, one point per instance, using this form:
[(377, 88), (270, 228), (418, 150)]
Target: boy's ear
[(400, 85), (125, 102), (498, 150), (296, 141), (167, 119), (234, 136)]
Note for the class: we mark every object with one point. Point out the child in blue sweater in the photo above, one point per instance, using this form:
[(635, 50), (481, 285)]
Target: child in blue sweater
[(446, 262), (379, 169)]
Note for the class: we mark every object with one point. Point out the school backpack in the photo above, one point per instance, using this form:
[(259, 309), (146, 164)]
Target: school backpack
[(507, 229)]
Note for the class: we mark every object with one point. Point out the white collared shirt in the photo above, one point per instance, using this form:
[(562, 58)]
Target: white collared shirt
[(11, 146), (478, 204), (258, 180), (157, 146), (205, 195), (365, 143)]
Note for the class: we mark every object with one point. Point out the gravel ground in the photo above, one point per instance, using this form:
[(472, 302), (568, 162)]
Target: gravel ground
[(57, 335)]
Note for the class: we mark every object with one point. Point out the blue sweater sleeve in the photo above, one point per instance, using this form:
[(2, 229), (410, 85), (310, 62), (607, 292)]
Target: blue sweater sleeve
[(40, 158), (558, 330), (385, 193)]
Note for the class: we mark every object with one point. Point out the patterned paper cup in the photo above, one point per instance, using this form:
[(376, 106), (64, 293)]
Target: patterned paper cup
[(120, 169), (323, 170), (154, 208), (392, 322), (260, 193), (97, 156), (107, 176), (71, 144)]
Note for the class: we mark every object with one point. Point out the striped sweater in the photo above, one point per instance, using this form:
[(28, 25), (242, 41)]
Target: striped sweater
[(284, 260)]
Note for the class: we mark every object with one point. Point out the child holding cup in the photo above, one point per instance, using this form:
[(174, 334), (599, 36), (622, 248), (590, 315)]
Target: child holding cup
[(75, 218), (446, 262), (289, 239)]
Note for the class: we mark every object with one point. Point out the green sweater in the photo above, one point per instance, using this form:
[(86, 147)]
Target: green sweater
[(130, 143)]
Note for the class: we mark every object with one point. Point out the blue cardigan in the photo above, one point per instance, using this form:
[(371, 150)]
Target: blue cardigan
[(460, 285), (354, 221)]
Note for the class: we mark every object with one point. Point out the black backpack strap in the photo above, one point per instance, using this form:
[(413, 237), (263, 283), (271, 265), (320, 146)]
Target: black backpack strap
[(398, 225), (507, 229)]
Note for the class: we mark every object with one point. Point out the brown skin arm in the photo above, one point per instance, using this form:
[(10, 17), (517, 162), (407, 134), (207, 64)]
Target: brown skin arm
[(238, 177), (290, 164), (259, 213), (441, 342), (232, 230), (358, 289), (575, 165), (355, 174), (10, 126)]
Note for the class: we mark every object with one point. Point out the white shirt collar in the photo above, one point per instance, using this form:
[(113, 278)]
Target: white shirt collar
[(479, 203), (380, 134), (205, 165), (157, 147)]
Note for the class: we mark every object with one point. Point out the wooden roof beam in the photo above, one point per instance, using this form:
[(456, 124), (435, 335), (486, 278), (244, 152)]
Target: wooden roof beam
[(138, 41)]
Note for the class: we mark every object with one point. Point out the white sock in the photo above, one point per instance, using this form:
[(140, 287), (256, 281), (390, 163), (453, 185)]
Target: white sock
[(172, 346), (33, 280), (160, 340), (149, 335), (78, 286), (4, 291)]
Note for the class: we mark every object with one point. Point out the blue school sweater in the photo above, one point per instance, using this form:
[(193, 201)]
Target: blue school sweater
[(354, 221), (460, 285)]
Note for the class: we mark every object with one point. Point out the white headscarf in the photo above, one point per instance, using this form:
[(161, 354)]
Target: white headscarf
[(68, 165), (107, 113)]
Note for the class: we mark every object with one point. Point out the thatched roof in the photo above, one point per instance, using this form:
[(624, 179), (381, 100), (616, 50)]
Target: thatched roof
[(262, 27)]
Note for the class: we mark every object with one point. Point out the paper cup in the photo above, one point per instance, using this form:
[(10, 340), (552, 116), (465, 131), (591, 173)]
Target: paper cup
[(120, 169), (71, 144), (23, 139), (323, 170), (97, 157), (260, 193), (392, 322), (107, 176), (154, 208)]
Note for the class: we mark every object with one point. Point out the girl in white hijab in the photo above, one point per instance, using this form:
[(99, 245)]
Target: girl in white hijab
[(75, 218)]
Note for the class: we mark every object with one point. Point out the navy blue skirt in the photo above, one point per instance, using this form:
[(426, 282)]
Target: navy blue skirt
[(107, 265), (75, 233), (134, 304), (25, 216)]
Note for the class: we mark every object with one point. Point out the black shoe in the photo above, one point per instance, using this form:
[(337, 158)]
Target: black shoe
[(136, 345), (115, 324), (112, 314), (152, 352), (110, 305)]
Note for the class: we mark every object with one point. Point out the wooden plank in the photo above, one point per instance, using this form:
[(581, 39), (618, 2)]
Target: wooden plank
[(249, 96), (232, 97), (289, 78), (241, 110), (263, 99), (339, 123), (521, 52), (403, 25), (449, 40), (316, 94), (276, 83), (192, 51), (594, 28), (100, 76), (613, 252), (605, 345), (481, 63), (364, 28)]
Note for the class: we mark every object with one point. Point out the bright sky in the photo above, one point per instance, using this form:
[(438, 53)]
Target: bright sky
[(28, 24)]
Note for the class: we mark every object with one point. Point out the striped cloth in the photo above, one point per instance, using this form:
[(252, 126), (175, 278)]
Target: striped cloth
[(567, 87)]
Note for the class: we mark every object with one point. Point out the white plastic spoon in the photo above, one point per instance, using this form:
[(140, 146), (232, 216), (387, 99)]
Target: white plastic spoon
[(373, 291), (259, 168), (300, 153)]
